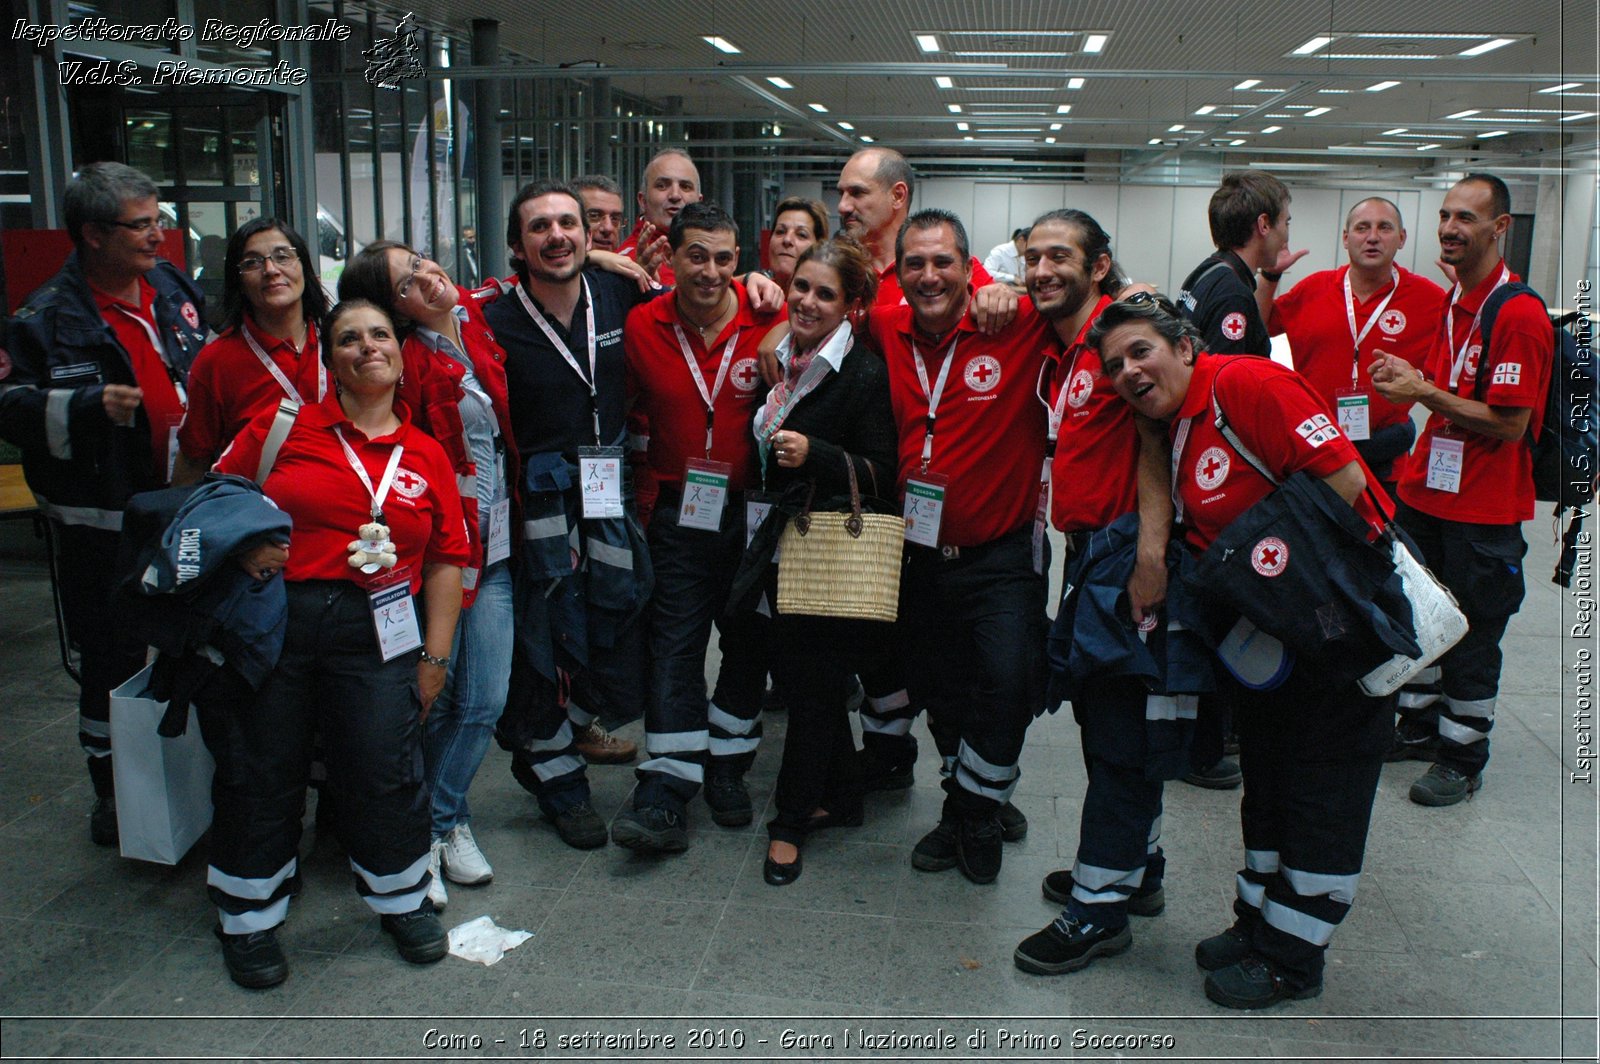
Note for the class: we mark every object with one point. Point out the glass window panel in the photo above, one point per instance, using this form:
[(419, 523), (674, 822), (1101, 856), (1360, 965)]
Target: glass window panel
[(200, 139), (150, 145), (245, 14)]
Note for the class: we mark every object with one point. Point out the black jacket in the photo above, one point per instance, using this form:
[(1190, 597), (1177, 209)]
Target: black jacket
[(849, 412), (82, 468)]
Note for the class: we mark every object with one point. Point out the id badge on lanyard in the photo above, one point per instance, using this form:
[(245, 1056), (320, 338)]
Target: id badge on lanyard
[(1352, 405), (600, 473), (757, 507), (924, 507), (1355, 413), (1445, 459), (394, 615), (705, 494)]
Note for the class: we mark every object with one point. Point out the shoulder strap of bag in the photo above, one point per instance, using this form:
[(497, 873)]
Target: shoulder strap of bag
[(282, 422), (1221, 421)]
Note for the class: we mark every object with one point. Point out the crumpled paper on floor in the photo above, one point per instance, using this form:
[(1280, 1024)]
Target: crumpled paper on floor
[(484, 941)]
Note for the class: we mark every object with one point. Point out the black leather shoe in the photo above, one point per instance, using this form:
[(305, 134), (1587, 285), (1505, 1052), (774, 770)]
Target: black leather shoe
[(978, 847), (1066, 945), (879, 775), (254, 960), (1013, 824), (418, 935), (1222, 776), (650, 829), (728, 799), (1253, 983), (103, 821), (936, 851), (781, 875), (1148, 900), (579, 827), (1222, 949)]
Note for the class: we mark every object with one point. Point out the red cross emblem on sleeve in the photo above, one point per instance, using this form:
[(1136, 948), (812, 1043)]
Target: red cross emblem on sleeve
[(1233, 326)]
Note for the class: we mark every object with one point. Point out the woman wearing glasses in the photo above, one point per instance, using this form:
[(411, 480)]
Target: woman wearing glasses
[(1310, 751), (460, 377), (267, 352)]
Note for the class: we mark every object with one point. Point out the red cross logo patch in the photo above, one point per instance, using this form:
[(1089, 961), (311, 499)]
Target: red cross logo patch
[(1270, 556), (746, 377), (190, 315), (1393, 323), (1080, 389), (409, 484), (982, 374), (1212, 468), (1472, 359), (1233, 326)]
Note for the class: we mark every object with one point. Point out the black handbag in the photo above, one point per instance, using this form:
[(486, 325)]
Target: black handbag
[(1299, 565)]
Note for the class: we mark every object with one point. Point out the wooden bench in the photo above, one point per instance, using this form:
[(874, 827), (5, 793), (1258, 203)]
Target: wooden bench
[(15, 498)]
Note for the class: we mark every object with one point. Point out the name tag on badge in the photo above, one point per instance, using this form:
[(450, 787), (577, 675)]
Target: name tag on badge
[(498, 548), (924, 507), (705, 493), (394, 618), (1445, 458), (600, 472), (1355, 414)]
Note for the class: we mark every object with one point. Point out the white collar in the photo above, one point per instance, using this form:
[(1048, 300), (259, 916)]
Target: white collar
[(438, 341), (832, 351)]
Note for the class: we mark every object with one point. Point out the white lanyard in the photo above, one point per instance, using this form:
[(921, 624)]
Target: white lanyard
[(710, 397), (1350, 313), (566, 353), (933, 395), (277, 374), (161, 352), (807, 383), (1180, 439), (382, 491), (1458, 359), (1055, 413)]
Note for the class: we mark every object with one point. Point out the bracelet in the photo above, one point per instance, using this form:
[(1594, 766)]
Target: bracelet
[(428, 658), (1270, 276)]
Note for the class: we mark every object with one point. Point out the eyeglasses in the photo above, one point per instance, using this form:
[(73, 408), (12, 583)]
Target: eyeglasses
[(138, 225), (1151, 299), (282, 258), (595, 217), (405, 286)]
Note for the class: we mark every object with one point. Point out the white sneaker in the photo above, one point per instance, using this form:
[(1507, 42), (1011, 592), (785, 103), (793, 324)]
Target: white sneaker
[(436, 890), (463, 861)]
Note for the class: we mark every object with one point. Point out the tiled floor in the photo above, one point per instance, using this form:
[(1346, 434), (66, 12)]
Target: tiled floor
[(1474, 934)]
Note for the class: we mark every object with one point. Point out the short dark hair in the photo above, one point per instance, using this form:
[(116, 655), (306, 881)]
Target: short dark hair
[(706, 216), (367, 276), (1244, 196), (814, 208), (1019, 233), (1093, 241), (1156, 311), (893, 169), (98, 191), (1499, 194), (532, 191), (598, 182), (313, 301), (842, 254), (340, 309), (933, 218)]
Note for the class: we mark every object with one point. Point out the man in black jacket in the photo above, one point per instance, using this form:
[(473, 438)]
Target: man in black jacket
[(93, 394)]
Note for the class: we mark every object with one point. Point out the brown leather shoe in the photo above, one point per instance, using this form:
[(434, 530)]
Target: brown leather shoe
[(600, 747)]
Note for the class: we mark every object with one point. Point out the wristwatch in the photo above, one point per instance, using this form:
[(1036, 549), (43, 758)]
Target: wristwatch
[(443, 662)]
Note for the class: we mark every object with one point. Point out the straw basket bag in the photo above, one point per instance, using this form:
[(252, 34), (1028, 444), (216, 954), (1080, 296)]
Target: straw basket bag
[(841, 564)]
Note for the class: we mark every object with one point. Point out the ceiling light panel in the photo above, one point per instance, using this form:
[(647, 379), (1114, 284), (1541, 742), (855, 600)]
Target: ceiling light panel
[(722, 44)]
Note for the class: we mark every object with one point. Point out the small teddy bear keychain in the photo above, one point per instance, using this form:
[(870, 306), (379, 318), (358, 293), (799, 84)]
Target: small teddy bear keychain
[(374, 550)]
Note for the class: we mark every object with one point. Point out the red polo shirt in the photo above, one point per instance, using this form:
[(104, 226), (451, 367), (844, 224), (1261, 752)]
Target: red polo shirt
[(313, 483), (891, 295), (1315, 316), (135, 328), (1278, 417), (229, 387), (1496, 475), (660, 385), (1094, 477), (990, 433)]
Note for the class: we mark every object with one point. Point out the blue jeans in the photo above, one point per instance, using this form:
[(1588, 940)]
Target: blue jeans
[(462, 720)]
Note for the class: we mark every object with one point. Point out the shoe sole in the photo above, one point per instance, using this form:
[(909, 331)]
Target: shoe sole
[(260, 980), (431, 953), (732, 819), (633, 837), (487, 877), (1109, 948), (931, 864), (1152, 904), (1434, 800), (1229, 1001), (1226, 783)]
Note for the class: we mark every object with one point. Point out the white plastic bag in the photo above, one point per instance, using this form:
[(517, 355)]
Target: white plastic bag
[(163, 785), (1438, 622)]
